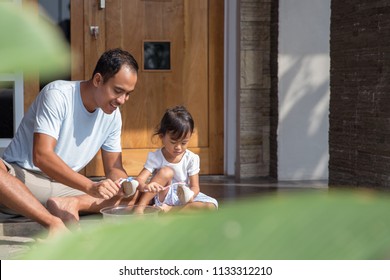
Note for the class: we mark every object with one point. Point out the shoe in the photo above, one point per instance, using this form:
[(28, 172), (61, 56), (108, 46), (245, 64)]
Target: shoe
[(129, 186), (184, 193)]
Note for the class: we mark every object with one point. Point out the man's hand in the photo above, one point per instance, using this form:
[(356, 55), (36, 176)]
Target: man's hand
[(105, 189)]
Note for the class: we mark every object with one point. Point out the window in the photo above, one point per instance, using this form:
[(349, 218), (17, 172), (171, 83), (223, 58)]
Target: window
[(11, 106), (11, 103), (157, 55)]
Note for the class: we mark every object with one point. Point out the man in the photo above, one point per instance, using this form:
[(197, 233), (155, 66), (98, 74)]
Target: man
[(68, 123)]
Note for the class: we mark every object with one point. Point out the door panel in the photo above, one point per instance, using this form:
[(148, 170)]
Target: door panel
[(194, 29)]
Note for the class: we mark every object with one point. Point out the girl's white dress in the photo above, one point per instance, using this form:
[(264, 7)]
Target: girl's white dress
[(188, 166)]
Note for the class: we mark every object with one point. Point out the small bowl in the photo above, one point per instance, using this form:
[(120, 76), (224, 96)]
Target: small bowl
[(121, 212)]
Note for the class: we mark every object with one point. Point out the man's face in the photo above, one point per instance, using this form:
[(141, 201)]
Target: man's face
[(116, 91)]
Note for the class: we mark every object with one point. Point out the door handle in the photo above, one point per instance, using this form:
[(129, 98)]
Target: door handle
[(102, 4), (94, 30)]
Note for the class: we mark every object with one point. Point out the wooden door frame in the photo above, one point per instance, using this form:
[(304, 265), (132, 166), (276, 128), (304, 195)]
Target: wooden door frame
[(216, 123), (215, 78)]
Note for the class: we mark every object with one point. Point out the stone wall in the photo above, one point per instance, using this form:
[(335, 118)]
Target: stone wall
[(257, 102), (359, 133)]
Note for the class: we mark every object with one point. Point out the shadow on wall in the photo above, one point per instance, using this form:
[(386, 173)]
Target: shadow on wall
[(303, 91), (303, 117)]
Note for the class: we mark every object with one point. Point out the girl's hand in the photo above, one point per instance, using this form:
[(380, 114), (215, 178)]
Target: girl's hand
[(153, 187)]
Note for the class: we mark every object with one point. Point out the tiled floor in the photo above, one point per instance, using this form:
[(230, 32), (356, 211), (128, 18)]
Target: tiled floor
[(226, 189)]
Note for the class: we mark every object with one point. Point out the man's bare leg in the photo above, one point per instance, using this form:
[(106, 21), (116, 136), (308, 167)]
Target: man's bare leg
[(15, 195), (68, 208)]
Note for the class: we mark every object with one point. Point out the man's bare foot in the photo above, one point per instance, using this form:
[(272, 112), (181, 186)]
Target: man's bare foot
[(56, 227), (65, 208)]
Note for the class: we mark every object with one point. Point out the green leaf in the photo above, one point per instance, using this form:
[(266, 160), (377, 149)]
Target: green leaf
[(308, 225), (30, 43)]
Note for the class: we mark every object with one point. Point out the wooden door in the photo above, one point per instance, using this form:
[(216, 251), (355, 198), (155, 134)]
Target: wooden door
[(194, 31)]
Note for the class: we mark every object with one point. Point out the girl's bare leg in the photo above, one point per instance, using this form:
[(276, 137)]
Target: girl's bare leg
[(163, 177), (197, 205)]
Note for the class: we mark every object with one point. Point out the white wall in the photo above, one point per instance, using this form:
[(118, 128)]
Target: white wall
[(304, 30)]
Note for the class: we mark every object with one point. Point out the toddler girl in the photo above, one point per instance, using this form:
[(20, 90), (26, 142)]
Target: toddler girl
[(174, 167)]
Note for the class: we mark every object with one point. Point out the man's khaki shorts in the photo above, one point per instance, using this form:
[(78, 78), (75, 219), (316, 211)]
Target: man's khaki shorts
[(41, 186)]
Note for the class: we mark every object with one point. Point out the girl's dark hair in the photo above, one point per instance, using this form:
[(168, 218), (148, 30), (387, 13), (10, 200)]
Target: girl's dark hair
[(111, 62), (177, 121)]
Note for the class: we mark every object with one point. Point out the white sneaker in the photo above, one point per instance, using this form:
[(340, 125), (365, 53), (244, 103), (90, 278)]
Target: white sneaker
[(184, 193), (129, 186)]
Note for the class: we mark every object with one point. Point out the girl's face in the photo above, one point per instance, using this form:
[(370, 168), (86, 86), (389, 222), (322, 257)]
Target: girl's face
[(174, 149)]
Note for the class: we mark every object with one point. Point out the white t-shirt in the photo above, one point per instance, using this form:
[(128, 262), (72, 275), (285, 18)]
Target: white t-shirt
[(188, 165), (58, 111)]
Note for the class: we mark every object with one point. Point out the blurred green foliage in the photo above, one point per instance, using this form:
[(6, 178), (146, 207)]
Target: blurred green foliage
[(308, 225), (29, 43), (314, 225)]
